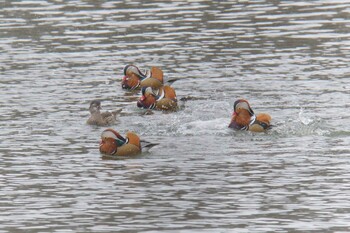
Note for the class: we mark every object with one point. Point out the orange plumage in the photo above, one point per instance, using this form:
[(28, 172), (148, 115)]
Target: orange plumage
[(264, 117), (244, 118), (112, 143), (134, 78), (163, 98)]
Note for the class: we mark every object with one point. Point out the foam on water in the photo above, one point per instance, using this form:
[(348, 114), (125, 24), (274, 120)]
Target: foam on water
[(303, 125)]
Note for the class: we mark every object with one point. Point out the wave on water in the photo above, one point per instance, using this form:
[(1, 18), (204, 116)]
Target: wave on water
[(303, 125), (216, 126)]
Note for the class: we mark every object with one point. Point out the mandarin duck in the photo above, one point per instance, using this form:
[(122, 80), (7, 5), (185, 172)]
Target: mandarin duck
[(134, 78), (163, 98), (244, 118), (101, 119), (112, 143)]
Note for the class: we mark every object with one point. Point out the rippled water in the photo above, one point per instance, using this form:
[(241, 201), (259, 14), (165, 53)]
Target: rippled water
[(290, 59)]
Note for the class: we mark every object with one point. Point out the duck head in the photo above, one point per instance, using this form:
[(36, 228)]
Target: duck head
[(132, 77), (242, 105), (148, 98), (95, 106), (242, 114), (110, 141)]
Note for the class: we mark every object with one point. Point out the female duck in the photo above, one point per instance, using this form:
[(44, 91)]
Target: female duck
[(112, 143), (163, 98), (101, 119), (134, 78), (244, 118)]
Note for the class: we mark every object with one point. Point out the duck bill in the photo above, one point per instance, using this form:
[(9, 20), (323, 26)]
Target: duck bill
[(233, 125), (141, 104), (125, 83)]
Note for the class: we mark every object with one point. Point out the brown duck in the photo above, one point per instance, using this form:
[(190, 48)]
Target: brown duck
[(101, 118)]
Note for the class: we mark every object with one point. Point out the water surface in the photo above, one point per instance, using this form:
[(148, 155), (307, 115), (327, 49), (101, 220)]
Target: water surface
[(289, 59)]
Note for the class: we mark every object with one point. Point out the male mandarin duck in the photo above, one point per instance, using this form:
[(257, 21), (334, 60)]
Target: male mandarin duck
[(244, 118), (163, 98), (112, 143), (98, 118), (134, 78)]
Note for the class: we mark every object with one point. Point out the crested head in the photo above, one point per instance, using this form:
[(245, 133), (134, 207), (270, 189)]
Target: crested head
[(242, 115), (132, 77), (129, 69), (95, 106), (242, 104), (147, 91), (114, 144), (111, 133), (132, 69), (147, 99), (110, 141), (95, 102)]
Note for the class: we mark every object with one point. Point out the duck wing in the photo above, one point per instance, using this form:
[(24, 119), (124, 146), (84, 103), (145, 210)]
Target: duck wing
[(146, 145)]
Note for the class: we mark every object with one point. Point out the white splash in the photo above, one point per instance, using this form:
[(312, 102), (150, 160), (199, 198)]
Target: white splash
[(304, 119)]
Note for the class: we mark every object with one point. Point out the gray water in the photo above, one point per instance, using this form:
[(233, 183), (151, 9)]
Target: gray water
[(288, 58)]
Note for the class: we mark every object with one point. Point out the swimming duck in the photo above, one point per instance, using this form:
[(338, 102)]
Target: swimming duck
[(244, 118), (163, 98), (112, 143), (101, 119), (134, 78)]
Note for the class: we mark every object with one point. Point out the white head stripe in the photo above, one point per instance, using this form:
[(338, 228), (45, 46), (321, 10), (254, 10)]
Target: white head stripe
[(108, 134)]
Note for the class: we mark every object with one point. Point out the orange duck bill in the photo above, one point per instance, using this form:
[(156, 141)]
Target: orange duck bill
[(244, 118)]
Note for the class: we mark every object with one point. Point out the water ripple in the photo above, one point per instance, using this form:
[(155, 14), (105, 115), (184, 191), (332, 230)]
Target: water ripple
[(288, 59)]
